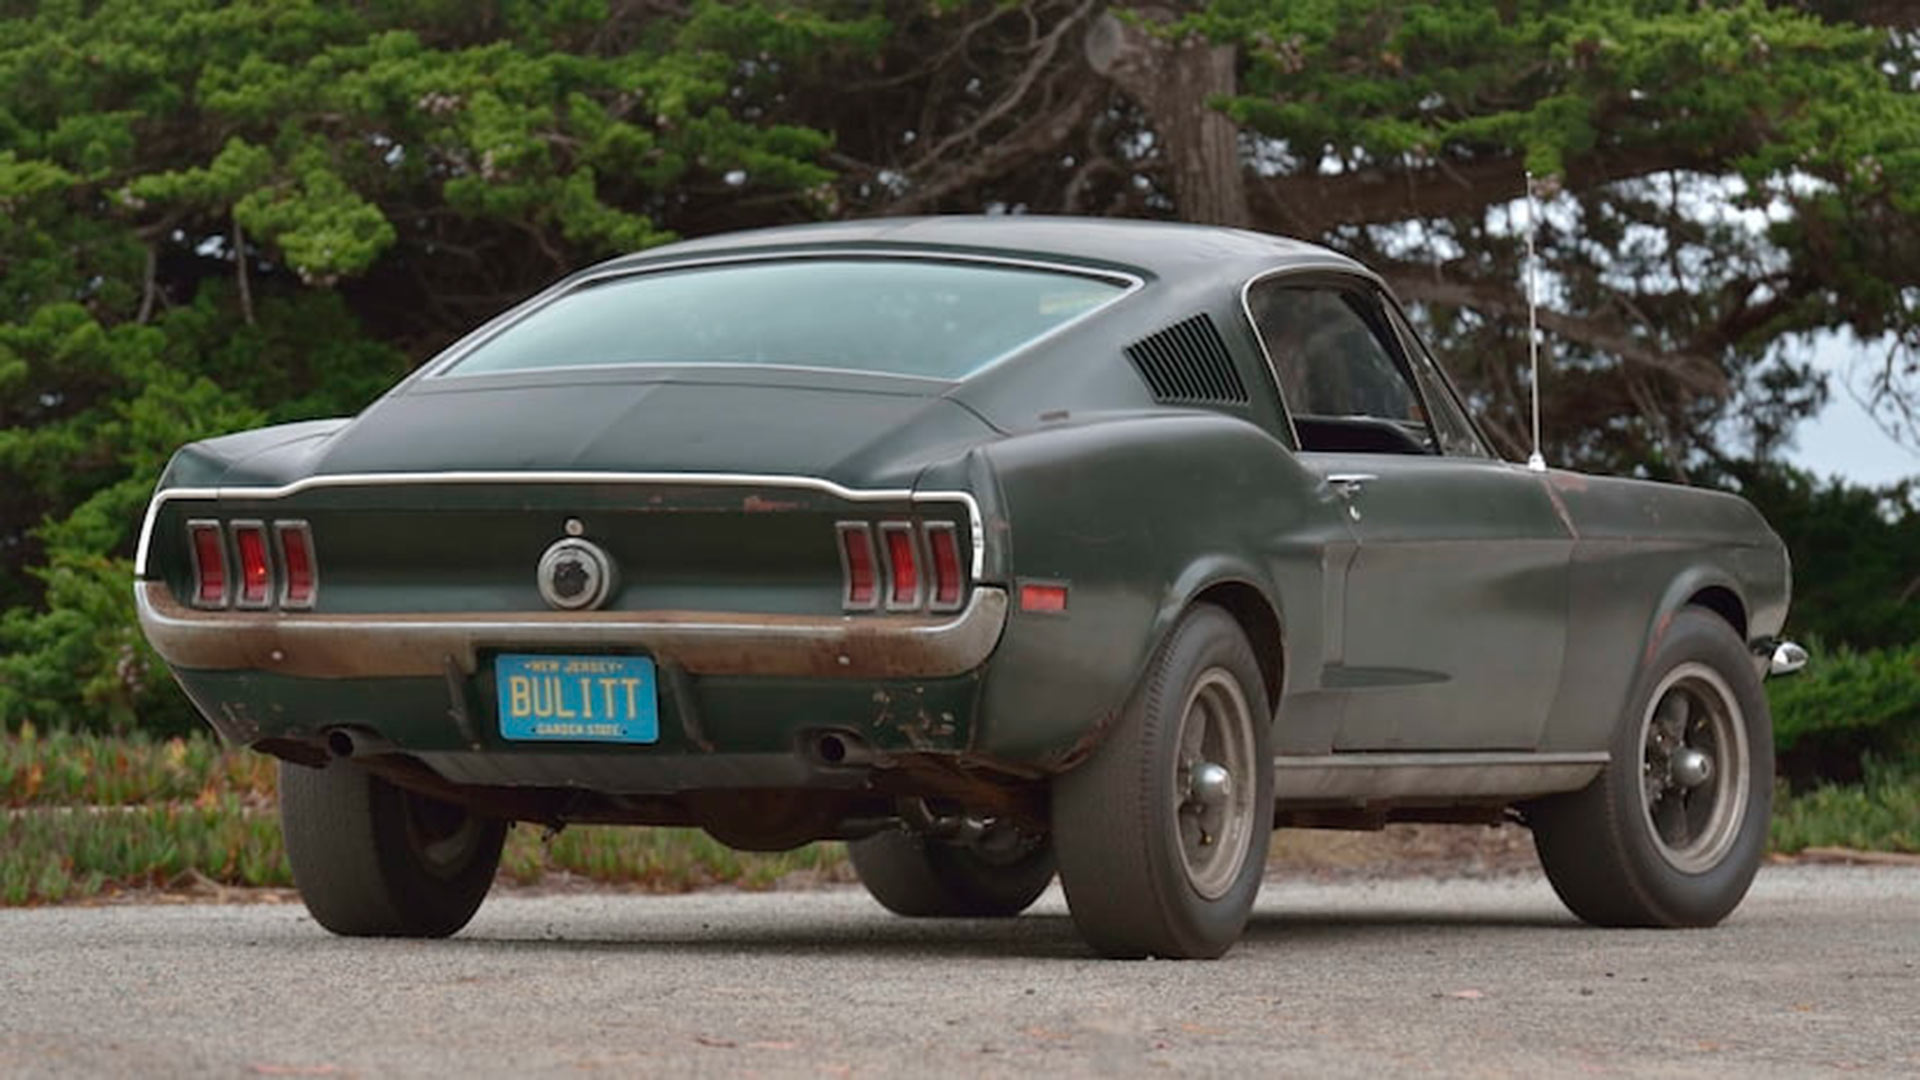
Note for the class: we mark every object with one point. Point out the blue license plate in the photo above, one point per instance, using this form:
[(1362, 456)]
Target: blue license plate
[(577, 698)]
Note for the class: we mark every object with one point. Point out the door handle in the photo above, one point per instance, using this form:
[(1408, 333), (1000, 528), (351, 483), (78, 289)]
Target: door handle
[(1350, 482)]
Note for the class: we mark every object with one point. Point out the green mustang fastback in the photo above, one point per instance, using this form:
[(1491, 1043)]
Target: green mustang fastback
[(994, 546)]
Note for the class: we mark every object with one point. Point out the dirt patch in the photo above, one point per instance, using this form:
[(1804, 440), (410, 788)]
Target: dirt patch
[(1404, 851)]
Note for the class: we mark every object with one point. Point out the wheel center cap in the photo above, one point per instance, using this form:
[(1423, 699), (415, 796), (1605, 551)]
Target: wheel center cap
[(1689, 768), (1211, 784)]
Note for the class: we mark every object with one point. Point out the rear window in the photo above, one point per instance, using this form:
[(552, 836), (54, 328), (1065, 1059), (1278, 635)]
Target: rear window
[(941, 320)]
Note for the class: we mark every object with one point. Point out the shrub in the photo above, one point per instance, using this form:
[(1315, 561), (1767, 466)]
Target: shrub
[(1846, 706)]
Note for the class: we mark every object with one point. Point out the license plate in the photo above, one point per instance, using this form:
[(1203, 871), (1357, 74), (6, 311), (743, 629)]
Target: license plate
[(577, 698)]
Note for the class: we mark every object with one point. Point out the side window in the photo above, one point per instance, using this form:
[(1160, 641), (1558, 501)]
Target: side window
[(1457, 435), (1340, 369)]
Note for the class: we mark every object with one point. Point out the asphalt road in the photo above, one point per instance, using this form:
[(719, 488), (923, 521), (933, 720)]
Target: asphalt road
[(1818, 971)]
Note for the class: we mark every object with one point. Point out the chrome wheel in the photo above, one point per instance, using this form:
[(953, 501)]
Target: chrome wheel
[(1213, 789), (1695, 768)]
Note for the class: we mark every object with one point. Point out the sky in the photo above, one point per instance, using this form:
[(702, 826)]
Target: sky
[(1844, 441)]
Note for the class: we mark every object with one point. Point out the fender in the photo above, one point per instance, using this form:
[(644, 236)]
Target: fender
[(1138, 515), (1222, 572), (1686, 585)]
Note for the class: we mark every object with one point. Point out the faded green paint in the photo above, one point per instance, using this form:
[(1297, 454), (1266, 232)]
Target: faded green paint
[(1469, 605)]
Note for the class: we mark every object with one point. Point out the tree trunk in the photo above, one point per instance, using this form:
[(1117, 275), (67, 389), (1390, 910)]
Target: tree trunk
[(1172, 79)]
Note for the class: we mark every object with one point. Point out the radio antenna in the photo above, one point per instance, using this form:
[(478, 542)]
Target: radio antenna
[(1535, 461)]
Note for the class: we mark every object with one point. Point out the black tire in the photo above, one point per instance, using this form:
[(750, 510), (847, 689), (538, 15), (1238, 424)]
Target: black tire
[(1131, 831), (374, 860), (1611, 864), (926, 878)]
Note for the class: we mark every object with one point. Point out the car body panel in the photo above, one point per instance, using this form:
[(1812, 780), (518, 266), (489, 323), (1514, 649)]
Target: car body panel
[(1471, 608), (1456, 603)]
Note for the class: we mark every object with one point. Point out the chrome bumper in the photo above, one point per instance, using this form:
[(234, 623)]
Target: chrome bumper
[(702, 643)]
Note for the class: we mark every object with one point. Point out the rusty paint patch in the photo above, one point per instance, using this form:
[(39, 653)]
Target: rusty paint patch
[(1566, 481), (1659, 635), (911, 720), (703, 643), (1081, 748), (1560, 508)]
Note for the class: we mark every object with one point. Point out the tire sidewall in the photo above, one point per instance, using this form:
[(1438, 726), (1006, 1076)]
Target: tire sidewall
[(1681, 897), (1208, 638)]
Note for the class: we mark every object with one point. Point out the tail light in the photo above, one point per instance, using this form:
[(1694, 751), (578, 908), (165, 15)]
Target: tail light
[(256, 572), (209, 563), (296, 558), (858, 563), (943, 541), (903, 566), (913, 567), (244, 575)]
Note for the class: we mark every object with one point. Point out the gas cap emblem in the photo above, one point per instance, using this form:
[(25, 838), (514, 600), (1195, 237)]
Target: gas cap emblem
[(575, 575)]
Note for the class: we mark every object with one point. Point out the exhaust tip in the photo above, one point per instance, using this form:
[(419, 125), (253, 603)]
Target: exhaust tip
[(340, 743), (836, 748)]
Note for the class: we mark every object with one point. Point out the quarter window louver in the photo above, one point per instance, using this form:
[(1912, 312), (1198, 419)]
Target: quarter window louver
[(1188, 363)]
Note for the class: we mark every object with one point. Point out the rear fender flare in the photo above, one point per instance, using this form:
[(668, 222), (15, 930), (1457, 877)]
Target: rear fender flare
[(1211, 574)]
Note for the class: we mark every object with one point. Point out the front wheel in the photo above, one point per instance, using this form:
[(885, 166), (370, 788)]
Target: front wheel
[(1162, 835), (1673, 830), (375, 860)]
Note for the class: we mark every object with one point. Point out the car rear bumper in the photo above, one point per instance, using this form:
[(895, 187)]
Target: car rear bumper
[(700, 643)]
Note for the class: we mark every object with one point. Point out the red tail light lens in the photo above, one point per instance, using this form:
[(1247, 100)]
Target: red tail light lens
[(858, 564), (256, 573), (943, 541), (209, 564), (296, 558), (903, 565)]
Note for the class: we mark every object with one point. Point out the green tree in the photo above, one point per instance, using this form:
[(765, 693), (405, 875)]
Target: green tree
[(219, 213)]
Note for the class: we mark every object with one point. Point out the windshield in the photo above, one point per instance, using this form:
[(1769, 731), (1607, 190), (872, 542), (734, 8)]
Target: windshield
[(941, 320)]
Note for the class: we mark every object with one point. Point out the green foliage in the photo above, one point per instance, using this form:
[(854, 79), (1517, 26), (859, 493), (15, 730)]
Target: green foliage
[(66, 853), (1845, 708), (1856, 551), (1882, 813), (70, 768), (223, 214), (215, 214), (82, 815)]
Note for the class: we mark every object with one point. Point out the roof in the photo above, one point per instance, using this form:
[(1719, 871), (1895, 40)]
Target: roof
[(1159, 248)]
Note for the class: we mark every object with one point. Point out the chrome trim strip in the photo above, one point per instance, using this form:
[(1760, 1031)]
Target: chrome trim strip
[(1313, 266), (1441, 775), (442, 366), (810, 483), (1463, 759), (702, 643)]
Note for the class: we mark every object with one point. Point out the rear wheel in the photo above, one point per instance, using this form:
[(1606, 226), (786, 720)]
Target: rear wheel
[(1162, 835), (1673, 830), (375, 860), (997, 876)]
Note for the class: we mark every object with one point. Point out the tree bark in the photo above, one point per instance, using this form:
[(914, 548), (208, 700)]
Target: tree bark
[(240, 272), (1173, 80)]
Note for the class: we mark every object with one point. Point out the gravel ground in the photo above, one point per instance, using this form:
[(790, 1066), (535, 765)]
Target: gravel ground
[(1352, 976)]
